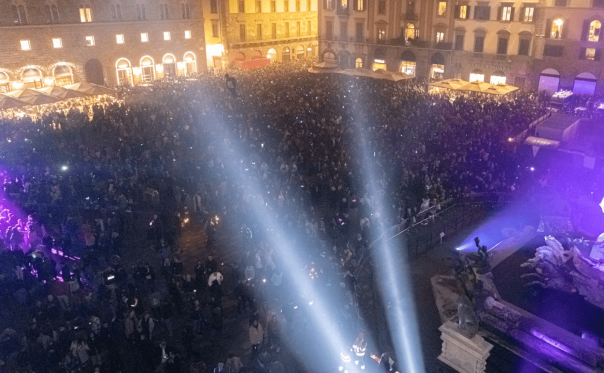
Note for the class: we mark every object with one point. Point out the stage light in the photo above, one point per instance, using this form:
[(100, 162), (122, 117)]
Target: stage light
[(64, 168), (532, 168), (602, 204)]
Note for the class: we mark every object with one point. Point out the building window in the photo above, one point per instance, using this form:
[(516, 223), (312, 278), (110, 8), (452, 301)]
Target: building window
[(598, 4), (52, 14), (358, 5), (524, 45), (358, 63), (119, 38), (164, 12), (144, 37), (507, 13), (85, 14), (528, 14), (187, 34), (479, 43), (309, 27), (273, 6), (329, 30), (381, 35), (382, 7), (116, 12), (594, 30), (360, 33), (553, 50), (141, 12), (297, 5), (57, 43), (502, 45), (482, 12), (344, 31), (185, 10), (241, 5), (590, 54), (408, 67), (561, 3), (242, 32), (213, 6), (25, 45), (556, 30), (259, 31), (19, 15), (287, 29), (459, 42), (440, 36), (90, 41), (442, 9), (462, 12), (286, 6), (258, 6), (214, 30), (167, 36), (274, 31), (298, 29)]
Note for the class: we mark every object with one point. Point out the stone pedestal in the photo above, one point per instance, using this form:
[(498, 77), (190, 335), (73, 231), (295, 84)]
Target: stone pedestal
[(461, 353)]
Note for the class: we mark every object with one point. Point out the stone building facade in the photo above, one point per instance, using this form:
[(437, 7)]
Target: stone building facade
[(522, 43), (248, 30), (110, 42)]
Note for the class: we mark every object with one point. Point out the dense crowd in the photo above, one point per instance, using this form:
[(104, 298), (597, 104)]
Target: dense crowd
[(76, 190)]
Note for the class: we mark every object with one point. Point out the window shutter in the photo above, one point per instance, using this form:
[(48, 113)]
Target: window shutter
[(499, 10), (512, 14), (548, 28), (564, 30), (582, 53), (456, 11), (598, 55), (468, 12), (585, 30), (488, 12)]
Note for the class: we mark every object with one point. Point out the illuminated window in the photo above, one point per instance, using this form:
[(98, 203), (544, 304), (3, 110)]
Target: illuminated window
[(410, 31), (594, 30), (440, 36), (556, 31), (167, 35), (463, 12), (19, 15), (89, 41), (408, 67), (498, 77), (25, 45), (144, 37), (381, 35), (187, 34), (164, 12), (344, 4), (442, 9), (528, 14), (477, 76), (590, 54), (507, 13), (85, 14), (358, 63), (185, 10), (57, 43), (119, 38), (358, 5)]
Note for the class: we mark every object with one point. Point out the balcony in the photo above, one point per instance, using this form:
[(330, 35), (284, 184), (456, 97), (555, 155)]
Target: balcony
[(343, 11), (410, 17)]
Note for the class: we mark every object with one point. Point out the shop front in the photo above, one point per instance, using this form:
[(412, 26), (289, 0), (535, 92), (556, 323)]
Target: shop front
[(408, 63), (437, 67)]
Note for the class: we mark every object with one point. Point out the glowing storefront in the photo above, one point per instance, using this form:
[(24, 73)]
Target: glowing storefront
[(437, 68), (408, 64), (124, 72), (147, 69), (190, 63)]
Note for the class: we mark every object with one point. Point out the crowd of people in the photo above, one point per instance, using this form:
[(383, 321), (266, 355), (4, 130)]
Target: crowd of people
[(182, 155)]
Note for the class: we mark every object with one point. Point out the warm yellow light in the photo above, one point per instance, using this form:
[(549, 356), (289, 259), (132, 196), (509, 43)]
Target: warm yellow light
[(188, 59), (17, 85), (49, 81), (123, 65), (180, 65), (159, 68), (214, 50), (558, 22), (309, 49), (136, 70)]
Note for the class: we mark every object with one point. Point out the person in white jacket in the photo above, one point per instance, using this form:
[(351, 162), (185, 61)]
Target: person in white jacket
[(233, 364)]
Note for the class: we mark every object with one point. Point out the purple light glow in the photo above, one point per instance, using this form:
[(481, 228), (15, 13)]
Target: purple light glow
[(551, 341), (602, 204)]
